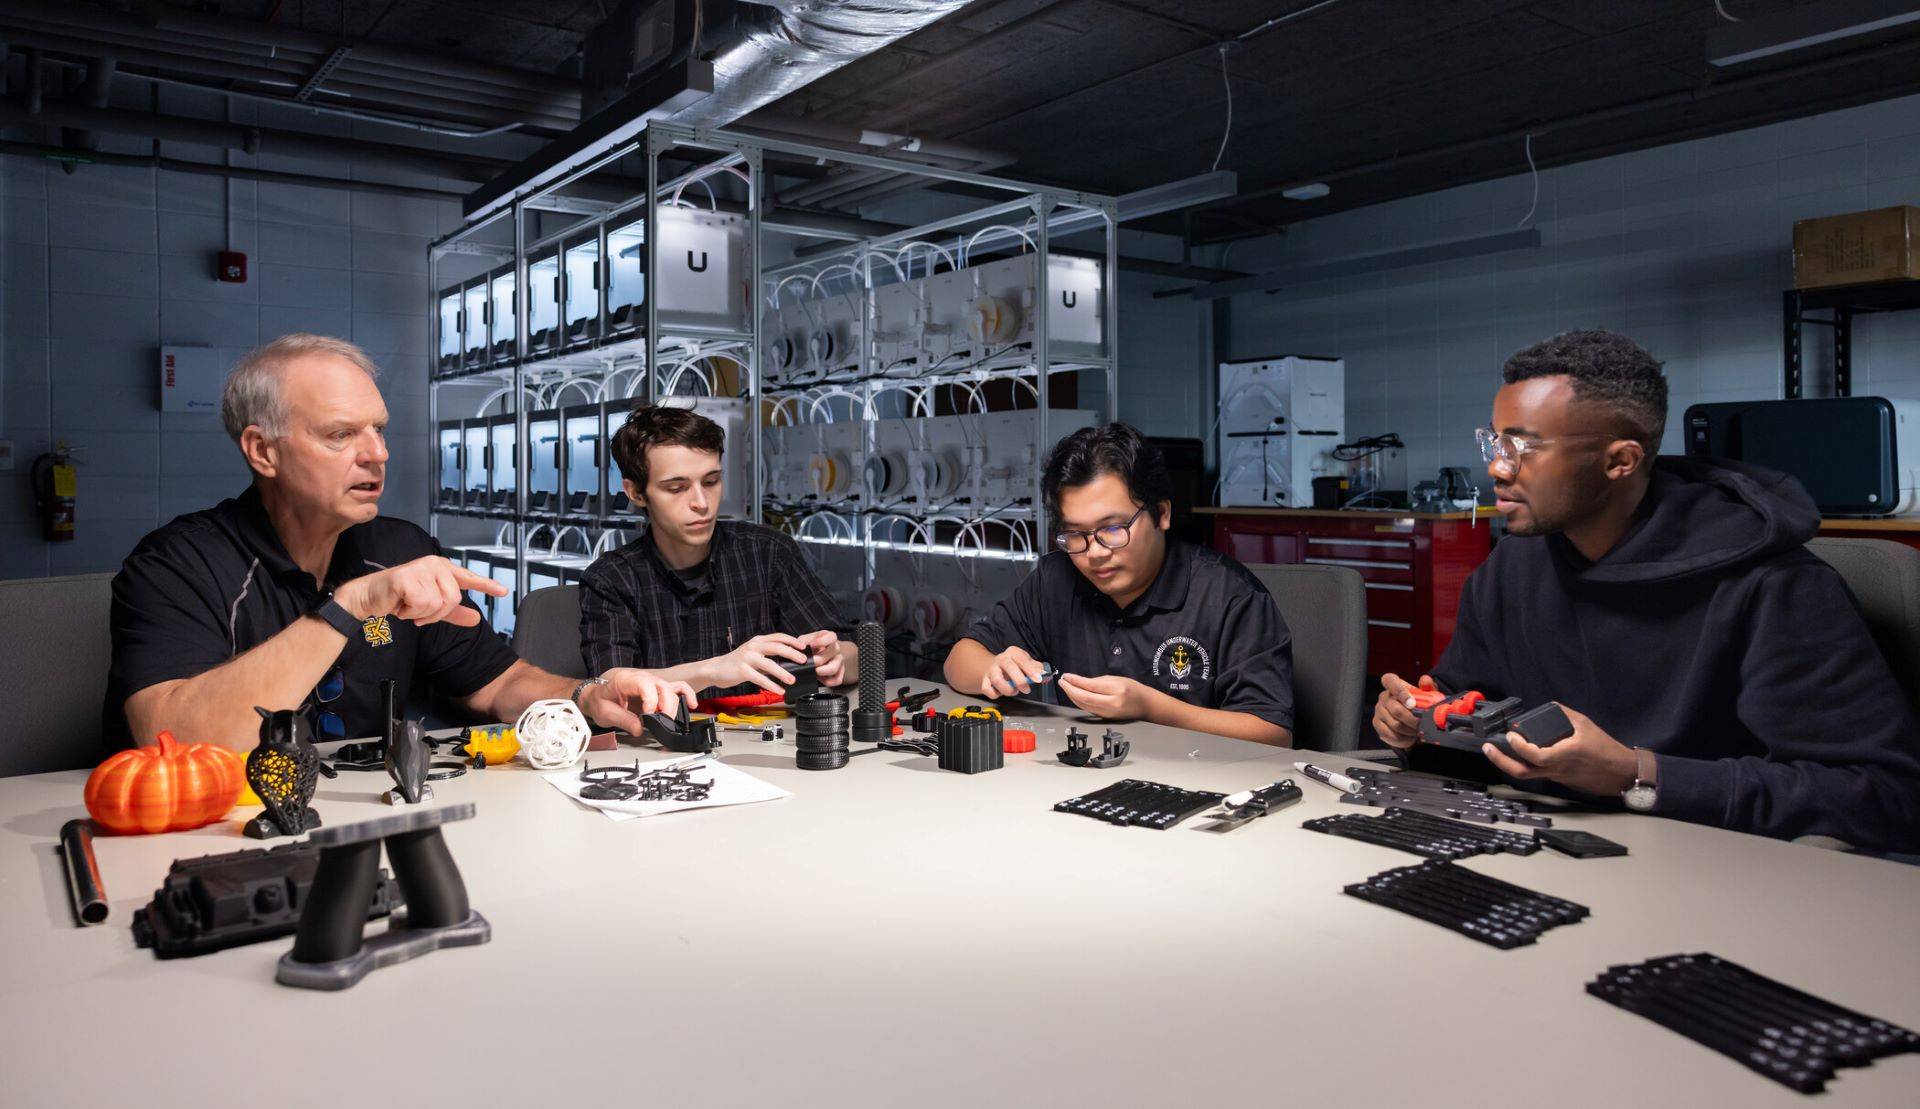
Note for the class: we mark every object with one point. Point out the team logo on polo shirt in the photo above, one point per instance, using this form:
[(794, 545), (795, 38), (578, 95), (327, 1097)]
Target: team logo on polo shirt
[(377, 631), (1183, 660)]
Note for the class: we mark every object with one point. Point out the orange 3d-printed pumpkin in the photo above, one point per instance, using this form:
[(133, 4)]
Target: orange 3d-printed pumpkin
[(169, 787)]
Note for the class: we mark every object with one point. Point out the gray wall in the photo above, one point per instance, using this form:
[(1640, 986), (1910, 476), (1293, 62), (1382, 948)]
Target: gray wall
[(1686, 248), (104, 265)]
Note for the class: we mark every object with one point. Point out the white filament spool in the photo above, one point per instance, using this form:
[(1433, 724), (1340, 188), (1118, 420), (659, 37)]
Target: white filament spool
[(992, 320), (934, 616), (553, 734), (884, 606)]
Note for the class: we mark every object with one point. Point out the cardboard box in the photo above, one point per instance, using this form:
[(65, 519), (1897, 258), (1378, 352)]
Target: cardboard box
[(1857, 248)]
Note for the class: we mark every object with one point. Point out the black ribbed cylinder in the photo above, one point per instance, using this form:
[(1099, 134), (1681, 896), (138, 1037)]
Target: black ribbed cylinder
[(871, 721), (873, 667)]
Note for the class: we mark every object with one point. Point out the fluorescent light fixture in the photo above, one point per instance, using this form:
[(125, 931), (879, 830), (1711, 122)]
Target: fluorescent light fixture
[(1201, 188), (1153, 200), (1306, 192), (1426, 255), (1764, 36)]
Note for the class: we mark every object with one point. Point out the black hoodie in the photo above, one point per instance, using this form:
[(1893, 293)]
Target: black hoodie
[(1711, 636)]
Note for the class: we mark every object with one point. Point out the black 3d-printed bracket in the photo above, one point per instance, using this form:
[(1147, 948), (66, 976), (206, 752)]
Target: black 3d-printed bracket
[(330, 951)]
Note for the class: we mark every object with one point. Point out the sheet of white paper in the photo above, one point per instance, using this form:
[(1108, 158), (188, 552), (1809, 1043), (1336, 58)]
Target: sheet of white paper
[(730, 787)]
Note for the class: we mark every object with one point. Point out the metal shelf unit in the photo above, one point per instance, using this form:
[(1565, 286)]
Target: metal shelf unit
[(617, 342), (1844, 303)]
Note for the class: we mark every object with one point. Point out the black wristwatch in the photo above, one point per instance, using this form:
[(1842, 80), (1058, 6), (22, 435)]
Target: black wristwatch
[(342, 621)]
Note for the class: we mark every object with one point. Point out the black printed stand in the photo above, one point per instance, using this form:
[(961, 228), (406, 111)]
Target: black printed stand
[(329, 950)]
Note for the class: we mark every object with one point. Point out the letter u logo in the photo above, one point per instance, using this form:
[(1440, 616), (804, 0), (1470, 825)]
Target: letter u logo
[(1069, 298), (697, 267)]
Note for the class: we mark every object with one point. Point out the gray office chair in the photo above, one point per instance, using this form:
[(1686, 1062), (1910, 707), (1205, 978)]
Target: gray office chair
[(53, 672), (1326, 610), (546, 632), (1884, 577)]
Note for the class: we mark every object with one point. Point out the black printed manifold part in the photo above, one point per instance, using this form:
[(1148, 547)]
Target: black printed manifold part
[(1132, 802), (1446, 797), (1466, 901), (1784, 1033)]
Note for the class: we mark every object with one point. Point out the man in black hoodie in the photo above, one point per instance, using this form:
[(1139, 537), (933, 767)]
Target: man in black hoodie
[(1714, 669)]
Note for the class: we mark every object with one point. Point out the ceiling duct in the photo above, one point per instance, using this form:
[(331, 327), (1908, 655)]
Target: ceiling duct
[(807, 40), (797, 43)]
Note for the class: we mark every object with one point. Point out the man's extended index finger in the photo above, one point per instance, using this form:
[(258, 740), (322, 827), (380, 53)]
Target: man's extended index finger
[(470, 580)]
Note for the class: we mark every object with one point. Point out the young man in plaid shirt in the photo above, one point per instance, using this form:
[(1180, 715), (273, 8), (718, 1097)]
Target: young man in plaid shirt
[(718, 604)]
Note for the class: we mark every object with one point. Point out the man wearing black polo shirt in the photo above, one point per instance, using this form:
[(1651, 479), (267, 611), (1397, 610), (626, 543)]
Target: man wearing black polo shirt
[(299, 594), (1141, 625), (718, 604)]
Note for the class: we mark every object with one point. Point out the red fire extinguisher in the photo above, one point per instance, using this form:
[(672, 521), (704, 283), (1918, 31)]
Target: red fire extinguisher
[(55, 489)]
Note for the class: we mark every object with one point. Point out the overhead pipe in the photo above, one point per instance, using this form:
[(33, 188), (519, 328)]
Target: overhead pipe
[(94, 90), (255, 140), (220, 33), (209, 169), (282, 73), (367, 74), (319, 109), (36, 71)]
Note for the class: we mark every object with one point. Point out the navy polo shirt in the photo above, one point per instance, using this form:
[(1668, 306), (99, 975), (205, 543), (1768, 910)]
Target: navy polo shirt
[(212, 584), (1205, 631)]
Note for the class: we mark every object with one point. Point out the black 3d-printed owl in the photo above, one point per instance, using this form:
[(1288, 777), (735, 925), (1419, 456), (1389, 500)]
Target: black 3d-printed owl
[(284, 770)]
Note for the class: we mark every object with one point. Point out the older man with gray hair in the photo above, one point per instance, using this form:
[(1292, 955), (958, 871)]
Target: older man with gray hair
[(299, 594)]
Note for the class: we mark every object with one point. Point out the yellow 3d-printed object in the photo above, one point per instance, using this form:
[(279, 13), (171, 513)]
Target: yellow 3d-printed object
[(498, 744), (975, 712)]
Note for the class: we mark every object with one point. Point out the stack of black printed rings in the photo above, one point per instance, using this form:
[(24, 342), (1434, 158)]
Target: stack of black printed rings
[(821, 728)]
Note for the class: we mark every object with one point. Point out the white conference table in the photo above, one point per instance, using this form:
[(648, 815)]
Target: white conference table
[(896, 935)]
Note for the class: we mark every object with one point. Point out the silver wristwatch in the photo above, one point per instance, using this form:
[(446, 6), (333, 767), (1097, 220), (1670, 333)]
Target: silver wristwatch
[(1641, 795), (582, 688)]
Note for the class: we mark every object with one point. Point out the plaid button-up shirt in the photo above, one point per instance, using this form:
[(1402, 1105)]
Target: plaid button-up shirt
[(635, 611)]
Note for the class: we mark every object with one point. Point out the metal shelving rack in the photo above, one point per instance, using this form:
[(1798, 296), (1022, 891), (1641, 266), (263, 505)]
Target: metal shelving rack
[(1845, 303), (505, 235)]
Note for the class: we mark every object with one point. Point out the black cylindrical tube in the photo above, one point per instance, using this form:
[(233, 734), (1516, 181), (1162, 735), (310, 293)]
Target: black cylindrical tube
[(335, 915), (429, 880), (871, 721), (83, 873), (389, 711), (873, 667)]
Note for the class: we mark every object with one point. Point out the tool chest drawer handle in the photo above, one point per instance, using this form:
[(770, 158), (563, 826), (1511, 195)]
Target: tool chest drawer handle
[(1326, 541), (1358, 563)]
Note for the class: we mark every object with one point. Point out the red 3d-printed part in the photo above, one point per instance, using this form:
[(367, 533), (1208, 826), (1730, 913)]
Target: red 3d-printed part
[(1463, 704), (763, 699)]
